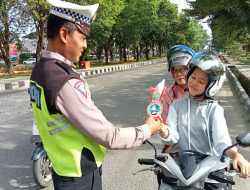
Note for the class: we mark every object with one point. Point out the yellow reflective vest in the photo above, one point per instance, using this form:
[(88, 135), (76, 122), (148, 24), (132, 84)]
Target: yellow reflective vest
[(63, 141)]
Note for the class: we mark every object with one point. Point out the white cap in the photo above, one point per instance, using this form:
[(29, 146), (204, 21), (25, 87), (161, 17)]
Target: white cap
[(83, 16)]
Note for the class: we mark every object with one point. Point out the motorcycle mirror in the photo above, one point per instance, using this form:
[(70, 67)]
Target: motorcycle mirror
[(243, 139)]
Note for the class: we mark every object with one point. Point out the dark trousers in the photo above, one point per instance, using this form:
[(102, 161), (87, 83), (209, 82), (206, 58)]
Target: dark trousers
[(90, 181)]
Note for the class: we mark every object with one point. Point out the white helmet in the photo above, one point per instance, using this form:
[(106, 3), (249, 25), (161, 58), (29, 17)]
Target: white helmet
[(209, 62)]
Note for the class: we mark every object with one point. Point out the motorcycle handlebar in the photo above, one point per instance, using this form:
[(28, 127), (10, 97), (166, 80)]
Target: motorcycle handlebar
[(145, 161), (231, 167), (221, 179)]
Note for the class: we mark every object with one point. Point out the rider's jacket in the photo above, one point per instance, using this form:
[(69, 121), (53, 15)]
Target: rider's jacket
[(71, 151), (197, 125)]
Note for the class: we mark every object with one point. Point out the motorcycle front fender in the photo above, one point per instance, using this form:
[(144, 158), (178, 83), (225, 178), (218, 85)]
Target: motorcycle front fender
[(38, 152), (165, 186)]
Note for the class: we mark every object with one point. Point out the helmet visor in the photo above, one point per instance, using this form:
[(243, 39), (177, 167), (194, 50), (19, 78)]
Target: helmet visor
[(180, 60)]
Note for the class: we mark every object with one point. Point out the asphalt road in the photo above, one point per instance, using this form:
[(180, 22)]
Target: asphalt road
[(123, 97)]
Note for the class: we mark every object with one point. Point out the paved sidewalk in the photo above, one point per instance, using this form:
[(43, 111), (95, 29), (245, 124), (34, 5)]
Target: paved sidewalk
[(238, 121), (242, 72), (241, 93), (23, 82)]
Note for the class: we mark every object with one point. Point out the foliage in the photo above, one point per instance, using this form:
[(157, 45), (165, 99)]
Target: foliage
[(85, 54), (101, 34), (235, 50), (229, 21), (39, 11), (137, 26), (24, 56), (10, 12)]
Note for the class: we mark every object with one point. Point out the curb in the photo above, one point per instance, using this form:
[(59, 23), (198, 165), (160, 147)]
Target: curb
[(24, 84), (244, 98)]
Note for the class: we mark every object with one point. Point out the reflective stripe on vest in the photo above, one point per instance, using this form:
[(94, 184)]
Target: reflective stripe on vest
[(56, 121), (59, 129)]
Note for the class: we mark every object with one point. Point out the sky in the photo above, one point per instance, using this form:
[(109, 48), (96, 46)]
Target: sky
[(182, 4)]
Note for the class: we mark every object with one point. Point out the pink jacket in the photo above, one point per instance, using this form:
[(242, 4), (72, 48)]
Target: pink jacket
[(172, 93)]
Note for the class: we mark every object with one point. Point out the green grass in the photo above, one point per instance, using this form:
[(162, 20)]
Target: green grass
[(23, 73), (19, 74)]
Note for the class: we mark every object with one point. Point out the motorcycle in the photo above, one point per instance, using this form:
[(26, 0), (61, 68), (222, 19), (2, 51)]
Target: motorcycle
[(42, 166), (190, 170)]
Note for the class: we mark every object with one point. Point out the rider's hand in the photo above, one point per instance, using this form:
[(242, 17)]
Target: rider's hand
[(241, 165), (154, 124), (164, 132)]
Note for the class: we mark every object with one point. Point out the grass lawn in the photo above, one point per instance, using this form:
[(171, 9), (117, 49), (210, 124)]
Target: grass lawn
[(18, 72)]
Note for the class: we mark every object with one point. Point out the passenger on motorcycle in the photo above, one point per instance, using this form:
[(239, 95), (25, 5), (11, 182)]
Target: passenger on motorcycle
[(178, 57), (196, 121)]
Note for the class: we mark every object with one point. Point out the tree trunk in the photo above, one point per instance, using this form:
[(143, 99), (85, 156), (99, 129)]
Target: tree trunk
[(147, 52), (120, 52), (159, 49), (106, 53), (107, 47), (111, 53), (99, 53), (124, 52), (5, 48), (137, 54), (40, 42)]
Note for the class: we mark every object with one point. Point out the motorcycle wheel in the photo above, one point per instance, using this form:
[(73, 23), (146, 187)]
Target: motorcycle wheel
[(230, 187), (42, 171)]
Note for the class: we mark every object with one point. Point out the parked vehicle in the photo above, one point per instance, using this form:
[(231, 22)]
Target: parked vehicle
[(190, 169), (42, 166), (30, 61), (2, 62), (13, 63)]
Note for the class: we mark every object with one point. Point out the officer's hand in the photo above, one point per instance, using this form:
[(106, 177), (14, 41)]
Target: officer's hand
[(154, 124)]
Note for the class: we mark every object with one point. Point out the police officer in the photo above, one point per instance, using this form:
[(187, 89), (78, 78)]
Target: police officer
[(74, 131)]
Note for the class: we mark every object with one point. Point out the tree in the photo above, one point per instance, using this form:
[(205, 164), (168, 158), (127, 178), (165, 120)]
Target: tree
[(39, 11), (13, 24), (102, 33), (6, 16), (229, 21), (167, 23), (191, 31)]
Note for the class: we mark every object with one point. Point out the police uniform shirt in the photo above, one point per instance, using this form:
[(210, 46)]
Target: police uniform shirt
[(75, 103)]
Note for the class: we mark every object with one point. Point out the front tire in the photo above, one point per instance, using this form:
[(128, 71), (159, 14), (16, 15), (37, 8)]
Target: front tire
[(42, 171), (229, 186)]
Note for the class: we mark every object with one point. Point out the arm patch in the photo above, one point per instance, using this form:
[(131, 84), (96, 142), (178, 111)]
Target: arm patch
[(80, 86)]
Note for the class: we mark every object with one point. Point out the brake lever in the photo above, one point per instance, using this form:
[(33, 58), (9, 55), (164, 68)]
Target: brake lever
[(232, 174), (147, 169)]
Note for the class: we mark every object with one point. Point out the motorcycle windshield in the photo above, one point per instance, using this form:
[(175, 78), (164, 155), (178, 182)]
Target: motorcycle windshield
[(188, 161)]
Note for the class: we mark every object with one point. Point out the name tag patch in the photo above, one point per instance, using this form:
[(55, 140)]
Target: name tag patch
[(35, 94)]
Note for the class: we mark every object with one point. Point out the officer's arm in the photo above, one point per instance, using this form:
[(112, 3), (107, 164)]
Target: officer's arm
[(77, 106)]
